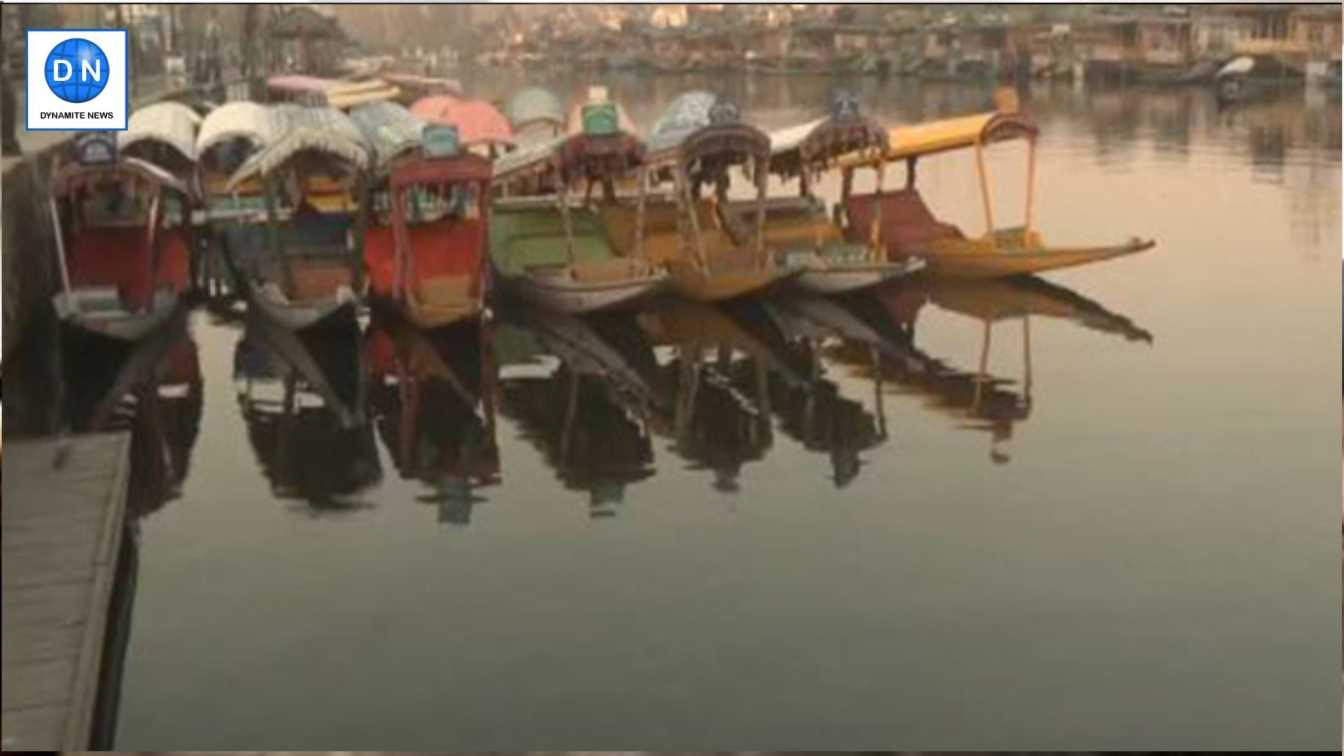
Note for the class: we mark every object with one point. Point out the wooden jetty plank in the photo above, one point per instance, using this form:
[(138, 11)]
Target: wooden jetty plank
[(63, 513)]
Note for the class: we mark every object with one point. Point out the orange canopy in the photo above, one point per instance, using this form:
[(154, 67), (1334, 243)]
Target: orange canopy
[(477, 121)]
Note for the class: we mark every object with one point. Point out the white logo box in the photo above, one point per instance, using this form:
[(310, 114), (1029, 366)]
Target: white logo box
[(114, 99)]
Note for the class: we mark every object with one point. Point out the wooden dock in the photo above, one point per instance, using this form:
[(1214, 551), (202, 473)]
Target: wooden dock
[(61, 519)]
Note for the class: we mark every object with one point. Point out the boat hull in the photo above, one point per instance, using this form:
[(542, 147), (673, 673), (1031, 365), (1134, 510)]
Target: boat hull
[(120, 324), (837, 279), (691, 284), (297, 316), (564, 295), (1000, 263)]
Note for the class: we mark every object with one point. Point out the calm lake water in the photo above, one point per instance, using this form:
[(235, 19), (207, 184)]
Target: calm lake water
[(692, 528)]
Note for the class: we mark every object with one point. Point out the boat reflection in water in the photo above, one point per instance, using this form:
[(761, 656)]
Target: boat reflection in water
[(302, 397), (816, 414), (719, 379), (152, 388), (590, 410), (432, 396), (977, 399)]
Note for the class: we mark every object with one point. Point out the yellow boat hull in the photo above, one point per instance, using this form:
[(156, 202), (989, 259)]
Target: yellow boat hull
[(960, 259), (690, 283)]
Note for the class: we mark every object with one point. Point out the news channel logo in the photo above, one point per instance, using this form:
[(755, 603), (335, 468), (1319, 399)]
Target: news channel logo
[(77, 70), (77, 80)]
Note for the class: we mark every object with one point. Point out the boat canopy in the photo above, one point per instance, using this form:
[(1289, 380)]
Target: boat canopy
[(169, 123), (916, 140), (346, 95), (464, 167), (234, 120), (74, 176), (294, 84), (535, 105), (389, 129), (573, 156), (820, 142), (423, 85), (477, 121), (323, 130), (702, 126)]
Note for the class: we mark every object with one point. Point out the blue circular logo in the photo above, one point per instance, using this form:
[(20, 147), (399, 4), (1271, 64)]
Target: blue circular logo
[(77, 70)]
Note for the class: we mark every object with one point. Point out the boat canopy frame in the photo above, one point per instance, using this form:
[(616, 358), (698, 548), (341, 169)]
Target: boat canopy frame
[(703, 155), (975, 132)]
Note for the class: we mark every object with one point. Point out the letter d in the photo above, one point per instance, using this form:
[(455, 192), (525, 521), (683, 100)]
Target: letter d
[(61, 70)]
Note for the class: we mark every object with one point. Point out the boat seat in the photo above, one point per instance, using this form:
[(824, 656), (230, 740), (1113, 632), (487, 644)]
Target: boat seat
[(118, 258), (446, 289), (317, 279), (456, 244), (615, 269), (907, 223), (662, 237)]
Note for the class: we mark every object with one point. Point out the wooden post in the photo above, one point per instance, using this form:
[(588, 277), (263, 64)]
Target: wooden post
[(910, 164), (562, 196), (361, 224), (876, 364), (982, 377), (639, 211), (1031, 187), (875, 233), (683, 186), (984, 188), (62, 263), (273, 234), (762, 168)]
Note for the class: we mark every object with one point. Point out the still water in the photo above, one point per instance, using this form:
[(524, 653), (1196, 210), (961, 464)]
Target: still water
[(794, 523)]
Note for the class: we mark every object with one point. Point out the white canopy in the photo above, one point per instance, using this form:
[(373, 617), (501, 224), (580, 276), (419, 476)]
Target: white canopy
[(318, 129), (238, 119), (171, 123)]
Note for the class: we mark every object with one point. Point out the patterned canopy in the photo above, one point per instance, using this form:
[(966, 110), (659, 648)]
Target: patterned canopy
[(477, 121)]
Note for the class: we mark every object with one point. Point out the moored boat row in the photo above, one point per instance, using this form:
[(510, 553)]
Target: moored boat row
[(317, 204)]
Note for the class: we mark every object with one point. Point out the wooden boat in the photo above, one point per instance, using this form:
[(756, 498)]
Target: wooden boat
[(425, 247), (709, 257), (304, 265), (228, 136), (552, 253), (480, 126), (908, 229), (316, 91), (802, 230), (163, 134), (123, 258), (415, 86)]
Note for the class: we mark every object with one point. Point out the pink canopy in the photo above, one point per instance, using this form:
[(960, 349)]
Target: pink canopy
[(477, 121)]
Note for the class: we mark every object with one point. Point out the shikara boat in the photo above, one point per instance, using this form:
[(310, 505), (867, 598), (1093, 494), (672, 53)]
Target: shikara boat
[(709, 256), (415, 86), (908, 229), (554, 254), (480, 126), (425, 245), (124, 260), (163, 134), (228, 136), (305, 264), (315, 91), (802, 230)]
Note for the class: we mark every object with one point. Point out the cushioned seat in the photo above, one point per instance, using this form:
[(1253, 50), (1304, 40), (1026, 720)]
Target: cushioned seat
[(907, 222)]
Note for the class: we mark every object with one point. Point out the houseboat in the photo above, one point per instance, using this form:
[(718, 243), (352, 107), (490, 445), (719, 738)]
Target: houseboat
[(315, 91), (709, 256), (123, 257), (907, 228), (304, 265)]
